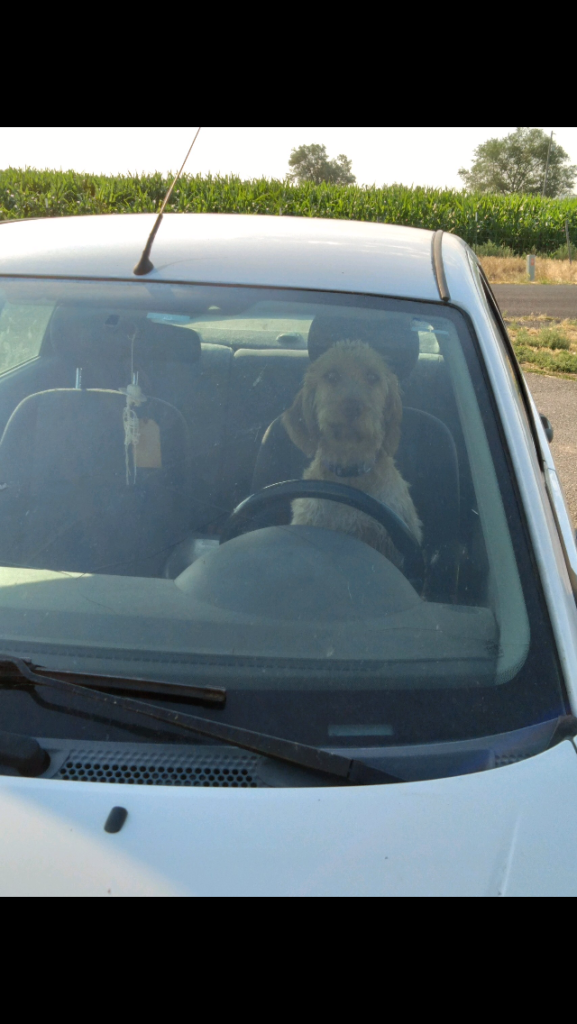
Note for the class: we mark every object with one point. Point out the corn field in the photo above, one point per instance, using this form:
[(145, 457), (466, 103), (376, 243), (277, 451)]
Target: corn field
[(523, 223)]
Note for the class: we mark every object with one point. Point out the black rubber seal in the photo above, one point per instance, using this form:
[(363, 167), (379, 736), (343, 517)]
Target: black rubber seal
[(439, 266)]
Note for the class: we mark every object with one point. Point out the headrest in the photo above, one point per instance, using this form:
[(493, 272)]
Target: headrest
[(397, 343), (166, 343), (83, 336)]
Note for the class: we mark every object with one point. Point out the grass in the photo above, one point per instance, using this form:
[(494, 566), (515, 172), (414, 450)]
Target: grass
[(490, 249), (513, 270), (544, 345), (494, 224)]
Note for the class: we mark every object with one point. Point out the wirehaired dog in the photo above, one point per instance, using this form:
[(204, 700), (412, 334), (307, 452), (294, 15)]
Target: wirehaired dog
[(347, 419)]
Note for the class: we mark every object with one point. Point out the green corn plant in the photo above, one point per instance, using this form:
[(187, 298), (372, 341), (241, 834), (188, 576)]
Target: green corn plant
[(520, 223)]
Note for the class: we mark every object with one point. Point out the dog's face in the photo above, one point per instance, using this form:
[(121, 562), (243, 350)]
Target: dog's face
[(349, 408)]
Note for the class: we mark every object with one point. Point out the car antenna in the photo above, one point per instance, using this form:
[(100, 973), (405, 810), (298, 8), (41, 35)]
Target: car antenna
[(145, 264)]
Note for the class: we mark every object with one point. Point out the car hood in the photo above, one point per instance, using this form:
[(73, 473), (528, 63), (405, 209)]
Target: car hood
[(507, 832)]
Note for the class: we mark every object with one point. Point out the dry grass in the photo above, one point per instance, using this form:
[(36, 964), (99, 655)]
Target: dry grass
[(513, 270)]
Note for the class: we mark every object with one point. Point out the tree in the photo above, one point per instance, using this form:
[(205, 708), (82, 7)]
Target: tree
[(311, 163), (518, 163)]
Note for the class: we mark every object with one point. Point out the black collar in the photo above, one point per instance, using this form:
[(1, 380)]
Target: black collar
[(362, 469)]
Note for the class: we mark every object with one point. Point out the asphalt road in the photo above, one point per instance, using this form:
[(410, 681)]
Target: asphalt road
[(558, 300), (557, 399)]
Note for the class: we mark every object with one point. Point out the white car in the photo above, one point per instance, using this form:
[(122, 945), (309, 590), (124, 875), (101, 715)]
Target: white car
[(199, 697)]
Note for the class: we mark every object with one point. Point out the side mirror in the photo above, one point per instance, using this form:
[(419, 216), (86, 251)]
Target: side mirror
[(547, 427)]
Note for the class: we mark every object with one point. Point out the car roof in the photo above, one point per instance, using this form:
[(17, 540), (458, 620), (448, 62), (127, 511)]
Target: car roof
[(292, 252)]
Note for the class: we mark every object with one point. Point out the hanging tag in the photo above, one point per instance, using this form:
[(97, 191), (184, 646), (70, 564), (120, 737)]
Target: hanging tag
[(147, 448)]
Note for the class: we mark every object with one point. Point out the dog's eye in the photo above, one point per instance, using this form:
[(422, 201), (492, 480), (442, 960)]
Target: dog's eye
[(373, 378), (333, 377)]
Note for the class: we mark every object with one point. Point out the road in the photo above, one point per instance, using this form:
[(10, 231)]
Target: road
[(557, 399), (558, 300)]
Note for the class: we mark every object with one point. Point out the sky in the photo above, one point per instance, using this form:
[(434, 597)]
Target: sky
[(419, 156)]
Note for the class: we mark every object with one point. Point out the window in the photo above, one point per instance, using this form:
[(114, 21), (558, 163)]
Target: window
[(322, 622)]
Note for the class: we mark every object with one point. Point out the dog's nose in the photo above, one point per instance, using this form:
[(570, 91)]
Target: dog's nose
[(352, 408)]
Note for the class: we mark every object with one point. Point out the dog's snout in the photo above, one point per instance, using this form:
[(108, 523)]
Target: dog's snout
[(352, 408)]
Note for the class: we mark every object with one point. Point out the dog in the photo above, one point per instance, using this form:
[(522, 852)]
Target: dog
[(347, 419)]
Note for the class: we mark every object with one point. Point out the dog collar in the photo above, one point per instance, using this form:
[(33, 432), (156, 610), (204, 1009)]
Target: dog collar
[(362, 469)]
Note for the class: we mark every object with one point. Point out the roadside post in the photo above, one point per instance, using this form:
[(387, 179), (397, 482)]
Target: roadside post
[(568, 241), (531, 265)]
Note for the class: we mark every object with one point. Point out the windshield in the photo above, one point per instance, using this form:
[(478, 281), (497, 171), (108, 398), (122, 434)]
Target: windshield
[(134, 419)]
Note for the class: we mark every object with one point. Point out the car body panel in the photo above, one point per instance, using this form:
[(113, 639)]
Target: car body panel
[(507, 832), (283, 252)]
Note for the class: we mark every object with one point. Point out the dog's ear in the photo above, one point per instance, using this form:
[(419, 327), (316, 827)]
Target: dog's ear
[(392, 417), (301, 424)]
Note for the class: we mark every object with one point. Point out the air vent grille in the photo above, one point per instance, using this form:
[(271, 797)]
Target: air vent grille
[(128, 768), (504, 760)]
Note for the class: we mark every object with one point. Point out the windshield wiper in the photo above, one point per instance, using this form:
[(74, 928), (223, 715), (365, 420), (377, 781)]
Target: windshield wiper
[(209, 695), (337, 766)]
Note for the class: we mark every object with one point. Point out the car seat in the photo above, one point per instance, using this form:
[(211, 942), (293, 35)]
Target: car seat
[(73, 498)]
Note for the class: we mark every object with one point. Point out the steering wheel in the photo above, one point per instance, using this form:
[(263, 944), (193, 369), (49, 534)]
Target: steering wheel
[(240, 520)]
